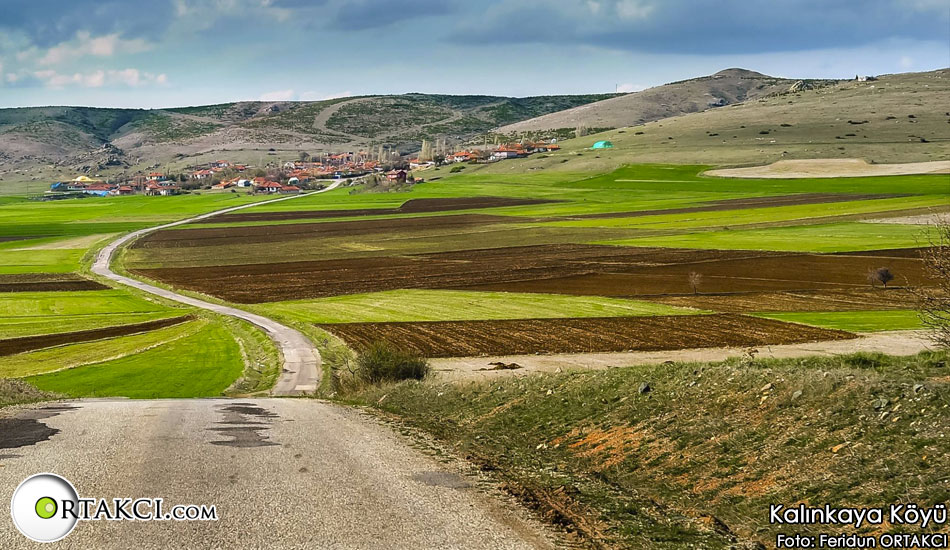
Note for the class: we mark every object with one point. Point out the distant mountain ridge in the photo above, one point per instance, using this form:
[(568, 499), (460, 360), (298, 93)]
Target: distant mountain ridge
[(92, 139), (726, 87)]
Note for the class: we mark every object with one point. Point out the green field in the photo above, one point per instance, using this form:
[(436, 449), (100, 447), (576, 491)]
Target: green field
[(201, 363), (96, 351), (854, 321), (53, 237), (54, 304), (15, 327), (451, 305)]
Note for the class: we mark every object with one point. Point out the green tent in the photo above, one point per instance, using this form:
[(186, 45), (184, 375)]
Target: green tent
[(603, 145)]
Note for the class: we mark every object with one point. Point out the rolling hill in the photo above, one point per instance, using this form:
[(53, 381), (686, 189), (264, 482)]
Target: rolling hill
[(43, 141), (678, 98), (896, 118)]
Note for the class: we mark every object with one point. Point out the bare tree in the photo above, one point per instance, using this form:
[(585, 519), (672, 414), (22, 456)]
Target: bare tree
[(881, 275), (934, 301), (694, 280)]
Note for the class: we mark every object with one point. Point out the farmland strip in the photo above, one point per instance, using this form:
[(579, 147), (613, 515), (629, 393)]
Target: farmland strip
[(13, 346)]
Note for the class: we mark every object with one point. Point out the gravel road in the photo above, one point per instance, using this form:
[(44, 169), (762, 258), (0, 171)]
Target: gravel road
[(283, 473), (301, 369)]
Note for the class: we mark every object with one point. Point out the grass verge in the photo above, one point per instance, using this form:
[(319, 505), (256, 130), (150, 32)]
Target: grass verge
[(678, 455)]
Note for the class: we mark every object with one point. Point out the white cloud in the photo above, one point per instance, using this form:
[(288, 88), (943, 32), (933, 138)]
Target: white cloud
[(634, 9), (97, 79), (278, 95), (87, 45), (628, 87), (593, 6), (906, 62)]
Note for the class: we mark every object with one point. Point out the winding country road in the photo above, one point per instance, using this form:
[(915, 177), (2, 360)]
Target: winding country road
[(301, 369)]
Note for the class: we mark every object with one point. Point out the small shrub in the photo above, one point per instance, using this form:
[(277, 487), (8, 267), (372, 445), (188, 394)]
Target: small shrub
[(456, 169), (383, 362)]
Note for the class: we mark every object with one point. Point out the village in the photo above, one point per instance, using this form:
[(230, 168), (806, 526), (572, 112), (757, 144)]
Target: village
[(289, 177)]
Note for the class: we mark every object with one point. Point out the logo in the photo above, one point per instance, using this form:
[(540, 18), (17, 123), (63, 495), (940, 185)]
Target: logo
[(37, 506)]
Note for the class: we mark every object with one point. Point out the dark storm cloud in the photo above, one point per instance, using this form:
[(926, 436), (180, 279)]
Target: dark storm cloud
[(370, 14), (49, 22), (709, 27)]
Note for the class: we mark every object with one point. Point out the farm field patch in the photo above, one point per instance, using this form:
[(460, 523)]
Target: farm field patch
[(854, 321), (16, 327), (51, 304), (450, 305), (46, 282), (11, 346), (748, 272), (513, 337), (735, 219), (97, 351), (251, 283), (836, 237), (202, 364), (411, 206), (850, 299)]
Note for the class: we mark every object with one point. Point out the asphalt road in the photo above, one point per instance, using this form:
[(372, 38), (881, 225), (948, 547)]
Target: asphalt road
[(301, 369), (283, 473)]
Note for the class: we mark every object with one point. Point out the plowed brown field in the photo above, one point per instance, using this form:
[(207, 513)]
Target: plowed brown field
[(471, 338), (252, 283), (561, 269), (43, 282)]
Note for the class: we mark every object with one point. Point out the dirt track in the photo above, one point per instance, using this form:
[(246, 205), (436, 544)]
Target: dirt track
[(523, 336), (892, 343)]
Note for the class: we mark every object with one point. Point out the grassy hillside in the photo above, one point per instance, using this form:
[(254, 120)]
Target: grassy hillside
[(54, 142), (898, 118), (687, 96), (692, 454)]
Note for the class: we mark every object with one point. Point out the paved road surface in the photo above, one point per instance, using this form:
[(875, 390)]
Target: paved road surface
[(301, 370), (283, 473)]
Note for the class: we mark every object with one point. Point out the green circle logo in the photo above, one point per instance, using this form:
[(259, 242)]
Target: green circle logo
[(46, 507)]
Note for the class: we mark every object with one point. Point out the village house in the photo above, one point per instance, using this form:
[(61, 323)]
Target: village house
[(121, 190), (397, 176), (201, 174), (155, 176), (508, 152), (224, 185)]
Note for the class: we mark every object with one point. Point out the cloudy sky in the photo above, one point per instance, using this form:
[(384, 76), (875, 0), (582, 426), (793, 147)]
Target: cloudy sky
[(124, 53)]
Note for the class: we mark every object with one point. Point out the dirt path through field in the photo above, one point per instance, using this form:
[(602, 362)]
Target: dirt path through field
[(469, 368)]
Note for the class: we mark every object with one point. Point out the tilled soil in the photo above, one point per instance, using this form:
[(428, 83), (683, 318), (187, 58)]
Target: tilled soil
[(586, 270), (612, 334), (47, 282), (13, 346), (523, 265)]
